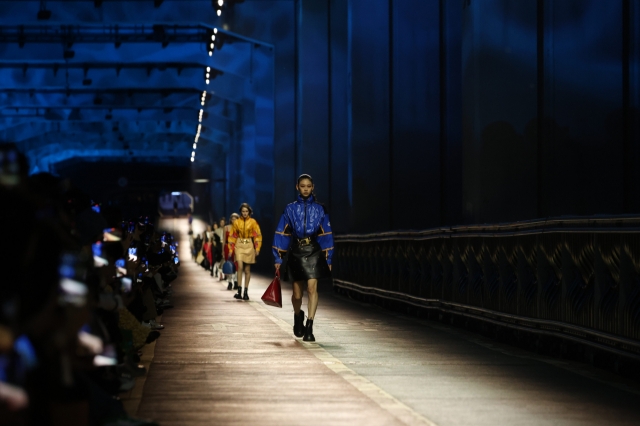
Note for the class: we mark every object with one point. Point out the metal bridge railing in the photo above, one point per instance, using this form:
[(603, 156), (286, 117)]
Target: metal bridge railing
[(572, 277)]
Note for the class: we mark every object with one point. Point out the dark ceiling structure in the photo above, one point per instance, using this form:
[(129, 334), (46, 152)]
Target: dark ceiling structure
[(96, 79), (499, 110)]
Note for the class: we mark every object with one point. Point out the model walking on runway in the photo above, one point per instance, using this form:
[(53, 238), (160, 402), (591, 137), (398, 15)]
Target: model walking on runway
[(228, 229), (304, 236), (245, 241)]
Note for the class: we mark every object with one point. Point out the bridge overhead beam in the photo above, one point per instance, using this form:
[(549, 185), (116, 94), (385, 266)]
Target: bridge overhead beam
[(123, 97), (232, 57), (227, 86), (126, 86), (15, 115), (44, 159), (114, 130)]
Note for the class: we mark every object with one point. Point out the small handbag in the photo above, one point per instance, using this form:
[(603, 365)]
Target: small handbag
[(228, 268), (273, 295)]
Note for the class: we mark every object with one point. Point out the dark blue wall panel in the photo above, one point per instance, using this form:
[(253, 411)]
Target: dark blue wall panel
[(370, 115), (583, 146), (312, 146), (415, 121), (340, 200), (499, 101)]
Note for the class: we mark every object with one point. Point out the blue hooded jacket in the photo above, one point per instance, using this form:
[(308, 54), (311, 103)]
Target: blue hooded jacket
[(302, 219)]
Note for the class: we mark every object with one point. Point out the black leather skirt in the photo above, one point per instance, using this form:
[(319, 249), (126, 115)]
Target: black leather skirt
[(306, 262)]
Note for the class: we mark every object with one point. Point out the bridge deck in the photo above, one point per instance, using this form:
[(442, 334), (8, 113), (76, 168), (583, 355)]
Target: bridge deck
[(222, 361)]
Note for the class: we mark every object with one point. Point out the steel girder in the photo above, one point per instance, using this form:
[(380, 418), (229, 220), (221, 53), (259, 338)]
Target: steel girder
[(77, 92), (127, 130), (10, 116), (56, 154), (232, 58)]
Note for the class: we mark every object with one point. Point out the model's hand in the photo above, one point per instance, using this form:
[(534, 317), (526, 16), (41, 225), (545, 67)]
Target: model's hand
[(277, 266), (329, 267), (257, 252)]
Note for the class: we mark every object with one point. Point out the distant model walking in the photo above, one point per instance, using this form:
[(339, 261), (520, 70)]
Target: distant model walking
[(245, 241), (304, 236), (228, 229)]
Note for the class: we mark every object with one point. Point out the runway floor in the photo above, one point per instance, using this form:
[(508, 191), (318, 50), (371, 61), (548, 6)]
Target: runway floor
[(226, 362)]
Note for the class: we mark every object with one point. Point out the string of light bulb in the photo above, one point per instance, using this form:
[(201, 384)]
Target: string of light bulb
[(207, 80)]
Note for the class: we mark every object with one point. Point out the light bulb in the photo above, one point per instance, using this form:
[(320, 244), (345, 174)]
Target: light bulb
[(208, 69), (192, 159), (202, 103), (215, 31), (220, 2), (207, 81), (194, 146), (219, 12), (210, 53), (213, 37), (211, 45), (193, 153), (208, 75)]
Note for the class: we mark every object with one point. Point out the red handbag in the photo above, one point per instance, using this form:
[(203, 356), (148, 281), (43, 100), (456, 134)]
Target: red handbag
[(273, 295)]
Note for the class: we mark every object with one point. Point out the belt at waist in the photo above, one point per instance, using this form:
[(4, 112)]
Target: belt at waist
[(244, 240), (304, 241)]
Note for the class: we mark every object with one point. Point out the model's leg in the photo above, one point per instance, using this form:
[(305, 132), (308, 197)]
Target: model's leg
[(247, 275), (240, 270), (296, 297), (298, 316), (239, 273), (247, 278), (312, 294)]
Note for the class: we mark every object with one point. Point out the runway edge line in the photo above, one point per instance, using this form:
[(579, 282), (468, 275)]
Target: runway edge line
[(382, 398)]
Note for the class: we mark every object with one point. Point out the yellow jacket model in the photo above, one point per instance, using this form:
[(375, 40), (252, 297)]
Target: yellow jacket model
[(245, 229)]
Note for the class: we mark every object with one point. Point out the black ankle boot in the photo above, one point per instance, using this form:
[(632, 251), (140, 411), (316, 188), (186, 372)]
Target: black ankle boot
[(308, 332), (230, 286), (298, 324), (246, 296), (235, 285), (238, 295)]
